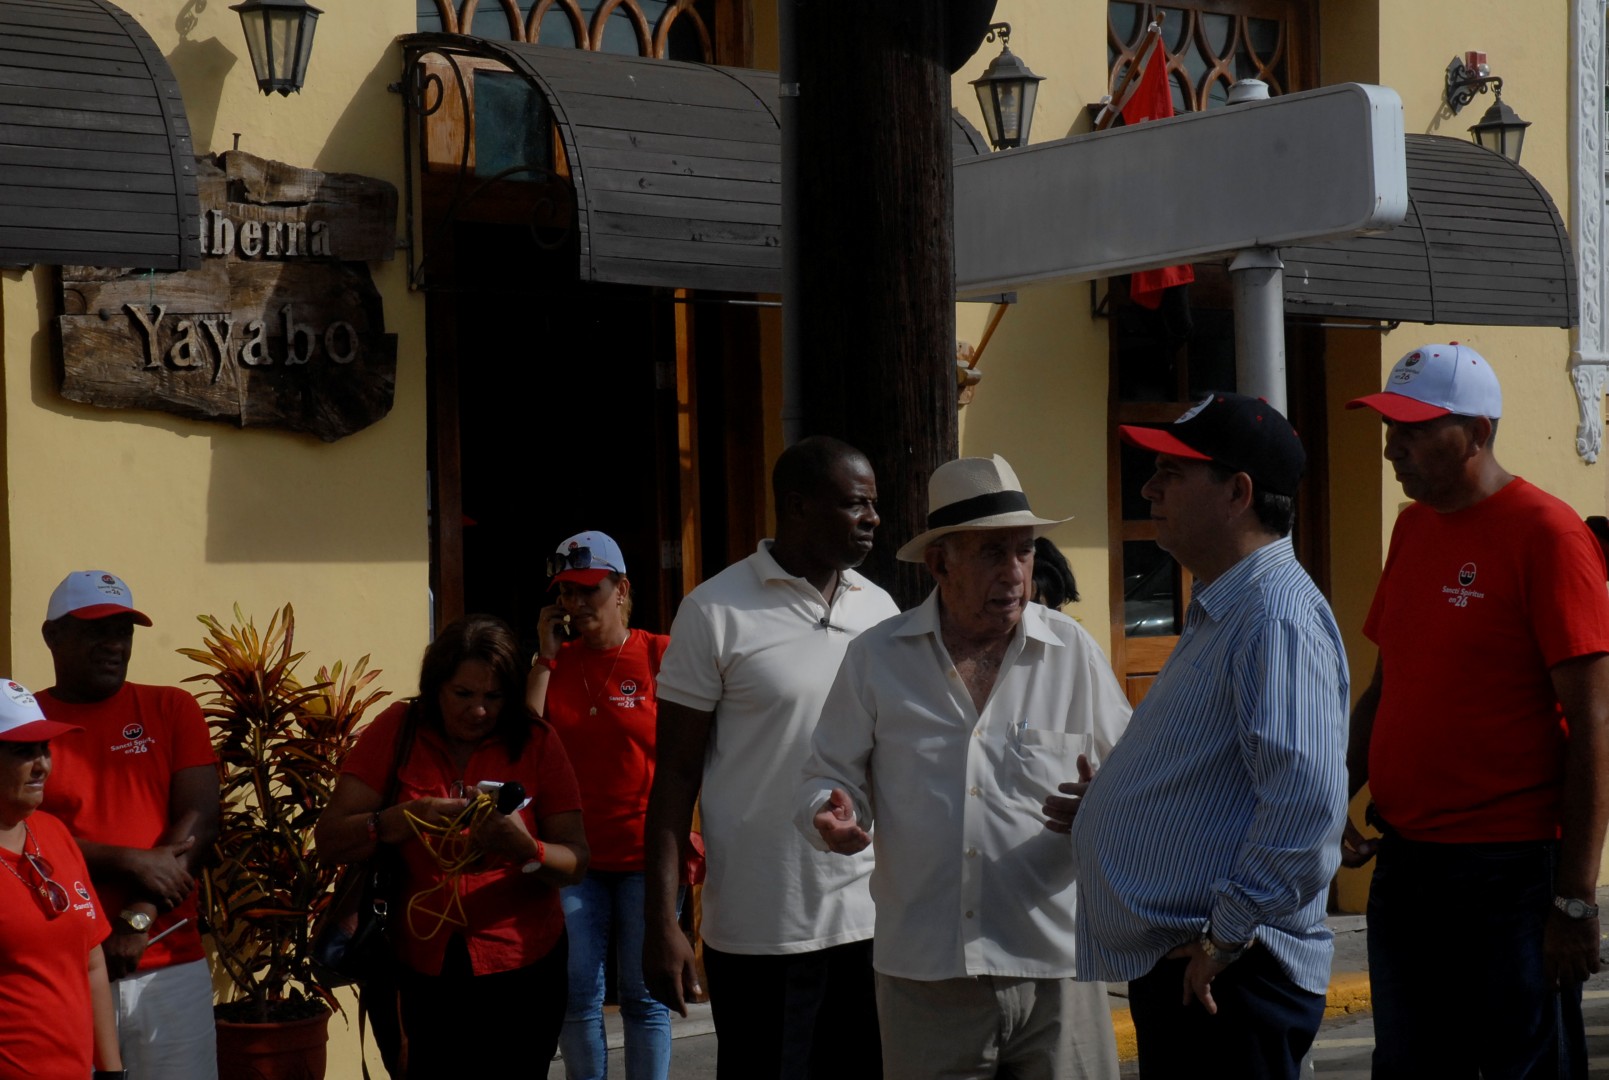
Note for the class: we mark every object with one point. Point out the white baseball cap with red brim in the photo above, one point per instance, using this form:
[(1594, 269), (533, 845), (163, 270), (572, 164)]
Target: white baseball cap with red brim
[(22, 720), (1435, 381), (586, 559), (93, 594)]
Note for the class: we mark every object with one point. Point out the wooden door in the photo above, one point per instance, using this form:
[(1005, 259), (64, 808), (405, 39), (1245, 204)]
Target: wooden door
[(563, 397)]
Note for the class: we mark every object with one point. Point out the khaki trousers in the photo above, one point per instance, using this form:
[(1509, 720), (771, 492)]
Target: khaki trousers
[(987, 1026)]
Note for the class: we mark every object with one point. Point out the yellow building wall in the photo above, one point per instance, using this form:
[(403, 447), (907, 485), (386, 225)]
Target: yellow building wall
[(1041, 403), (199, 516), (1352, 368), (1349, 42)]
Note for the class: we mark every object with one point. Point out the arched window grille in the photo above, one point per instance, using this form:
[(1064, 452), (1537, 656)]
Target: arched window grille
[(665, 29), (1210, 46)]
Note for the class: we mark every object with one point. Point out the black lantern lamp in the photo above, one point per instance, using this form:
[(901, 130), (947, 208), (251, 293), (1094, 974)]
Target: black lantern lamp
[(279, 34), (1006, 92), (1501, 130)]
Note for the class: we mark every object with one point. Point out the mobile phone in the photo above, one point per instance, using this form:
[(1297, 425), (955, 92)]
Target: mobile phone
[(508, 796)]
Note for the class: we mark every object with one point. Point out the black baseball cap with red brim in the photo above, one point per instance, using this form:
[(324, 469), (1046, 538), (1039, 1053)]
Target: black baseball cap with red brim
[(1241, 433)]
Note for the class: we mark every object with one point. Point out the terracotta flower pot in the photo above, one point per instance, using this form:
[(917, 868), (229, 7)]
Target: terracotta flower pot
[(277, 1050)]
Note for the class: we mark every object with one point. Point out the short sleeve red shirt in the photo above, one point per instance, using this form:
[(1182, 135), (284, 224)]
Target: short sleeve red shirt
[(46, 1017), (110, 784), (602, 704), (513, 918), (1473, 610)]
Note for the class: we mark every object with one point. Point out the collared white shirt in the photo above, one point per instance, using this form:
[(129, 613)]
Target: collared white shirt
[(968, 879), (759, 648)]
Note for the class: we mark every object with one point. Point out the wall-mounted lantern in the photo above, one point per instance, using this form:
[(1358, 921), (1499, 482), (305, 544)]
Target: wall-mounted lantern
[(279, 34), (1501, 130), (1006, 92)]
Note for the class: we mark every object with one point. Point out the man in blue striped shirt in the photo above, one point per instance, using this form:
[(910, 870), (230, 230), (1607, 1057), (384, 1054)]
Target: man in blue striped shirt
[(1206, 844)]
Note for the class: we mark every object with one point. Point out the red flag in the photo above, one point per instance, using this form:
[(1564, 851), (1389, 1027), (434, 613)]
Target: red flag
[(1152, 99)]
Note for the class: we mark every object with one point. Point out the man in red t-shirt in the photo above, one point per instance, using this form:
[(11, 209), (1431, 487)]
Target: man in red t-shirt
[(1484, 737), (139, 792)]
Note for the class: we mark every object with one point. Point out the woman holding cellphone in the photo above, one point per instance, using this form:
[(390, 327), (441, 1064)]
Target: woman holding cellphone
[(597, 691)]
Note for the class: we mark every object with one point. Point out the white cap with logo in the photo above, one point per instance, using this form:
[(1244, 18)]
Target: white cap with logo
[(1435, 380), (93, 594), (21, 718), (586, 559)]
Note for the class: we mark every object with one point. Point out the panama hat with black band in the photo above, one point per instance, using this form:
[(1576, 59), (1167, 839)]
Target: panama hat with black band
[(974, 493)]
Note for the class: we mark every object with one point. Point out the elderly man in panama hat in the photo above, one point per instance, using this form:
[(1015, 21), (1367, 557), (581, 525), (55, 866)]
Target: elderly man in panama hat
[(947, 727)]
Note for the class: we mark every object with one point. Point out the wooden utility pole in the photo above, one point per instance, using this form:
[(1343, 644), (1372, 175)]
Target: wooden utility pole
[(875, 278)]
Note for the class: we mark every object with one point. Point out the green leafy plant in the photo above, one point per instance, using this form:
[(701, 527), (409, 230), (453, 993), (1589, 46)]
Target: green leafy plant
[(279, 743)]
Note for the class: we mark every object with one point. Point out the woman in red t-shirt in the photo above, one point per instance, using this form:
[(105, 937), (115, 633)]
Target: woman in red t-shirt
[(477, 925), (598, 693), (56, 1017)]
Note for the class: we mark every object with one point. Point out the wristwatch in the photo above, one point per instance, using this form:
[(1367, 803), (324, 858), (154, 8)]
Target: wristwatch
[(138, 921), (1575, 909), (1218, 953)]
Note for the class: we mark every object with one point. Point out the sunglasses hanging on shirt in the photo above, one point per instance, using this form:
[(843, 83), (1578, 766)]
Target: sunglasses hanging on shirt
[(49, 891)]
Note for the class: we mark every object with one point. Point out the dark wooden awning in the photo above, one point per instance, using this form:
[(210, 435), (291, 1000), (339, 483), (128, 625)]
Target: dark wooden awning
[(677, 167), (96, 166), (1482, 243)]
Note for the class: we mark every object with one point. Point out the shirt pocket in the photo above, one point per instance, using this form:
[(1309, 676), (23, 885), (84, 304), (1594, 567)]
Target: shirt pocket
[(1041, 760)]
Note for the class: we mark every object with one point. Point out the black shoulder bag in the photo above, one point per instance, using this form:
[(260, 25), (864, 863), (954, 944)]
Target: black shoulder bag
[(350, 941)]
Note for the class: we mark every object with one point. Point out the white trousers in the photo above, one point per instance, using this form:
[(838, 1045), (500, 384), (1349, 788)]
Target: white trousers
[(164, 1023)]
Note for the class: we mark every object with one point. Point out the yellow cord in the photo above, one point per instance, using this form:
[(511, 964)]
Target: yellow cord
[(454, 850)]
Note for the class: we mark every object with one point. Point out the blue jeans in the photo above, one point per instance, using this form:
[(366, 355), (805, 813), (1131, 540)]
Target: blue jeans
[(605, 904), (1456, 969)]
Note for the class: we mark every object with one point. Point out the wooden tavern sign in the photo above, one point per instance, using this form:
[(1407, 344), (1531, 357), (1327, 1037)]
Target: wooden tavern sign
[(281, 326)]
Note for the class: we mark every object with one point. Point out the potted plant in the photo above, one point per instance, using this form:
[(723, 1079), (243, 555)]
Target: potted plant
[(279, 743)]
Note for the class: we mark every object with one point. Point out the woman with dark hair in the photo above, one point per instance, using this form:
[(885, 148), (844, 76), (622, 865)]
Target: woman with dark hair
[(477, 923), (597, 690), (1054, 585)]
